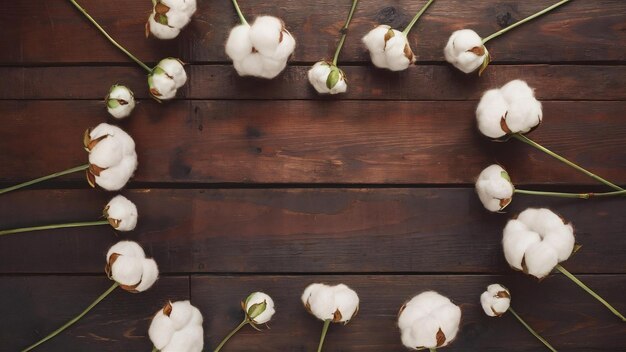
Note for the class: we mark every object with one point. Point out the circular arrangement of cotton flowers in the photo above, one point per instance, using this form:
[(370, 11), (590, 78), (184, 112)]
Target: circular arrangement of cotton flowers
[(507, 110), (389, 48), (496, 300), (429, 320), (120, 101), (338, 303), (494, 188), (536, 241), (166, 78), (261, 49), (465, 50), (259, 308), (327, 78), (121, 213), (112, 156), (177, 327), (128, 266), (168, 17)]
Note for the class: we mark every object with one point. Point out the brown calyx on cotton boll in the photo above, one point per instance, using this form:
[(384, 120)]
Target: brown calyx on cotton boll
[(504, 126), (115, 223), (337, 316), (503, 294), (167, 309), (107, 268), (441, 338), (478, 50), (505, 202), (401, 309), (91, 143), (91, 179), (389, 35), (409, 53), (95, 169)]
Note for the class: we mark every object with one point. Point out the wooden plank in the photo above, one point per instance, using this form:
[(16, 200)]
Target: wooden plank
[(565, 315), (37, 305), (581, 31), (315, 141), (552, 82), (428, 230)]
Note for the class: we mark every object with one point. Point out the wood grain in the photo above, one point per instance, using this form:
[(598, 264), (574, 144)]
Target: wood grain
[(580, 31), (551, 82), (429, 230)]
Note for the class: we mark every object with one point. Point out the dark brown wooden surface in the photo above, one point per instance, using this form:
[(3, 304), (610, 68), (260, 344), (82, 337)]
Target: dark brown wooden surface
[(246, 184)]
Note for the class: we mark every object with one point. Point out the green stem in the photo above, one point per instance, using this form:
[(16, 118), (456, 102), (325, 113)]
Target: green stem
[(37, 180), (323, 337), (55, 226), (529, 141), (154, 349), (432, 349), (71, 322), (532, 331), (344, 32), (145, 67), (241, 17), (518, 23), (589, 291), (417, 16), (570, 195), (232, 333)]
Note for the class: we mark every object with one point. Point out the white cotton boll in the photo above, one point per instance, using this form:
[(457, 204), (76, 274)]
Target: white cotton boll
[(177, 19), (517, 89), (162, 86), (177, 328), (322, 303), (337, 303), (238, 45), (265, 34), (159, 30), (161, 330), (524, 114), (174, 69), (271, 67), (516, 240), (150, 273), (127, 248), (309, 290), (465, 50), (123, 211), (379, 59), (494, 188), (347, 302), (112, 152), (318, 77), (259, 298), (107, 153), (491, 109), (120, 101), (127, 270), (562, 241), (496, 300), (128, 266), (167, 77), (422, 333), (388, 48), (375, 41), (396, 52)]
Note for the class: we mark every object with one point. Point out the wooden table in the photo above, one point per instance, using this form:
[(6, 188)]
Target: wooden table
[(246, 184)]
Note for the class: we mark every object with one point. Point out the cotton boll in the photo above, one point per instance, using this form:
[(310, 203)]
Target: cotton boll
[(540, 258), (285, 48), (524, 114), (376, 39), (398, 53), (265, 34), (239, 45), (169, 17), (160, 30), (121, 213), (347, 302), (516, 240), (465, 50), (177, 328), (253, 301), (322, 303), (120, 101), (127, 265), (490, 113), (319, 78), (166, 78), (494, 188), (149, 275), (496, 300), (336, 303), (174, 69), (112, 157)]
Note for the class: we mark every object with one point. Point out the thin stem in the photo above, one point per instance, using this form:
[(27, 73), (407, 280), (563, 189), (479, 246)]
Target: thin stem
[(432, 349), (232, 333), (55, 226), (154, 349), (145, 67), (344, 32), (570, 195), (37, 180), (417, 16), (241, 17), (504, 30), (71, 322), (323, 337), (529, 141), (589, 291), (532, 331)]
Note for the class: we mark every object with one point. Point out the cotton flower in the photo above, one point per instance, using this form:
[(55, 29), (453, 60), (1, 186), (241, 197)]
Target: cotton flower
[(465, 50), (494, 188), (112, 156), (536, 241), (337, 303), (166, 78), (261, 49), (429, 320), (121, 213), (259, 308), (507, 110), (177, 327), (168, 17), (128, 266), (327, 78), (389, 48), (496, 300), (120, 101)]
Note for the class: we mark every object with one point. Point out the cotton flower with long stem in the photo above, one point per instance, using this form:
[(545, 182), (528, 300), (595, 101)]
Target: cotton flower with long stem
[(495, 190), (261, 49), (497, 300), (128, 267), (330, 304), (169, 17), (120, 101), (325, 76), (258, 309), (177, 327), (429, 321), (164, 79), (112, 159), (537, 241), (389, 48), (120, 213), (466, 49)]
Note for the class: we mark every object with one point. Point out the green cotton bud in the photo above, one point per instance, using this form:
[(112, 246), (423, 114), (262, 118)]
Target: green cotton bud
[(256, 309), (333, 77), (505, 175)]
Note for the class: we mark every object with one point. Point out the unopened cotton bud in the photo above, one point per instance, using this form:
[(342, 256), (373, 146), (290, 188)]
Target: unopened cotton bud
[(465, 50), (259, 308), (389, 48), (337, 303), (496, 300), (177, 327), (128, 266), (121, 213), (120, 101), (168, 17), (327, 78), (112, 156), (494, 188), (166, 78)]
